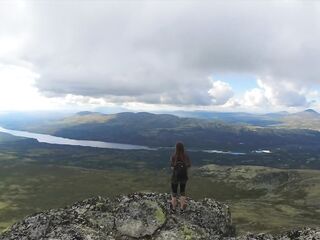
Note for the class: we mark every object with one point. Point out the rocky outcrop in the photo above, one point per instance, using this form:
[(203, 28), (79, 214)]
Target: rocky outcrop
[(139, 216), (136, 216), (302, 234)]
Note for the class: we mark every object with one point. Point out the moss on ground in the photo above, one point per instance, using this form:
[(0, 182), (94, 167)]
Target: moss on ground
[(160, 215), (187, 233)]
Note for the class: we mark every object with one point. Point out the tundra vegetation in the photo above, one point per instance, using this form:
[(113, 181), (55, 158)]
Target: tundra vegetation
[(36, 176)]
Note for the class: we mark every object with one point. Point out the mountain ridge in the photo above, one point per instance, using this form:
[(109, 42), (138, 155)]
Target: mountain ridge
[(163, 130)]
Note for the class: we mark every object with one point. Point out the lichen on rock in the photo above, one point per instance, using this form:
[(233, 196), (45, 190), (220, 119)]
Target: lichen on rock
[(138, 216)]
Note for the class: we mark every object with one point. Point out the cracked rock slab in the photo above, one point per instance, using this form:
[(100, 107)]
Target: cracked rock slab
[(139, 219)]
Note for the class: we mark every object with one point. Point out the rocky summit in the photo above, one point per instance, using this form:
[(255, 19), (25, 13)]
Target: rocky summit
[(138, 216)]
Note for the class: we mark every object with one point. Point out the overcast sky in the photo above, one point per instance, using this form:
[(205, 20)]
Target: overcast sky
[(256, 56)]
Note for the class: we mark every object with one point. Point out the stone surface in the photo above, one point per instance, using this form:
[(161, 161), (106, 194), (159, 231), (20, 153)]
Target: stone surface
[(138, 216), (301, 234)]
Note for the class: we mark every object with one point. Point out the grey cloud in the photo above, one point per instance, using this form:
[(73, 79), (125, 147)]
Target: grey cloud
[(163, 52), (292, 99)]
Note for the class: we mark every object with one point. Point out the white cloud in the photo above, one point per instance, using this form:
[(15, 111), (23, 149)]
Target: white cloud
[(255, 98), (17, 91), (283, 92), (313, 94), (221, 92), (277, 94)]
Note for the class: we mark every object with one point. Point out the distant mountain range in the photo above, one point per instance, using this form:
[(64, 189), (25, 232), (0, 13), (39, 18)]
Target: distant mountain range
[(309, 119), (219, 132)]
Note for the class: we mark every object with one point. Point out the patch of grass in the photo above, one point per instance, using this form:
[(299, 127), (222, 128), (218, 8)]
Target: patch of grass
[(264, 216), (3, 205)]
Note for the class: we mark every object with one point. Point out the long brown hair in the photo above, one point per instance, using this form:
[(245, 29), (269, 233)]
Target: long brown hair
[(179, 153)]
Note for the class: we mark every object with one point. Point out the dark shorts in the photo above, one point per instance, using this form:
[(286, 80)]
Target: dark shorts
[(174, 189)]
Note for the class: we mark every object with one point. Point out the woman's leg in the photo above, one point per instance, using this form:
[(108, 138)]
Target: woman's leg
[(174, 189), (182, 199)]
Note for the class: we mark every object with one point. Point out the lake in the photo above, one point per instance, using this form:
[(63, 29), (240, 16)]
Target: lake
[(45, 138)]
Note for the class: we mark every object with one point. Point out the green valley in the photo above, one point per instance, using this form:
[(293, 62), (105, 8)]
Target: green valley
[(36, 176)]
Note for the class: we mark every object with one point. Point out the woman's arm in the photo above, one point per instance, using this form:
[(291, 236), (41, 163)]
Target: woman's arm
[(171, 162), (188, 161)]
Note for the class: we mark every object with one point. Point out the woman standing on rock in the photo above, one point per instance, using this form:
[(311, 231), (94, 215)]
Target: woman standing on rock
[(180, 162)]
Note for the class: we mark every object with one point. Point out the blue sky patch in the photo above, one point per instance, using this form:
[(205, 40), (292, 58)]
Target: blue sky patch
[(239, 82)]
